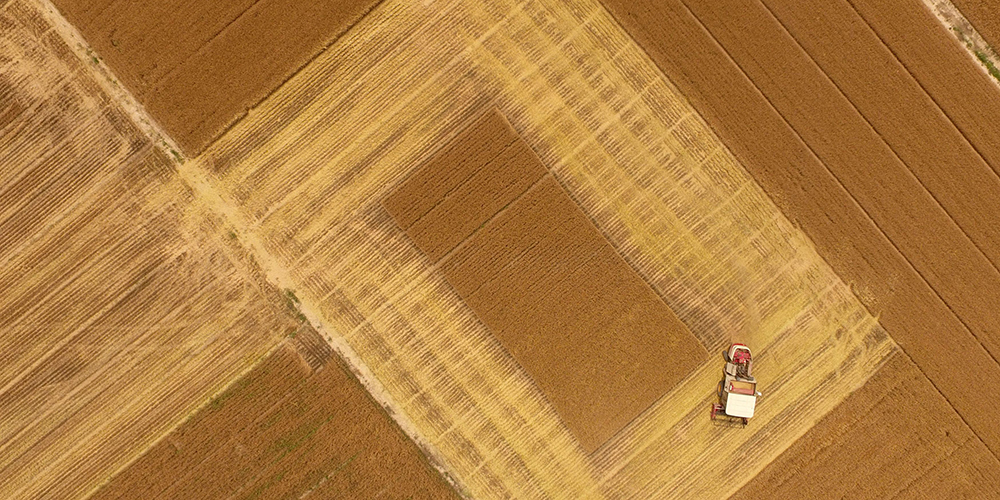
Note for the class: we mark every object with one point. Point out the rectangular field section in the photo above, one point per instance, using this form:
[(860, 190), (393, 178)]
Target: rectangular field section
[(284, 430), (197, 67), (596, 339)]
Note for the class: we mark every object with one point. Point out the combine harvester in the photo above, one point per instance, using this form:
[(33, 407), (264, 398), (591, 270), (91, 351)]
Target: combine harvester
[(738, 389)]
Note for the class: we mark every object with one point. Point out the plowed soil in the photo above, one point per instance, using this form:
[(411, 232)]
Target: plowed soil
[(284, 430), (985, 16), (592, 334), (896, 437), (199, 66)]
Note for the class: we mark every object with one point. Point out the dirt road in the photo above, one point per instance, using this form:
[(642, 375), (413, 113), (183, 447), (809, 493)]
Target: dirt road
[(983, 15)]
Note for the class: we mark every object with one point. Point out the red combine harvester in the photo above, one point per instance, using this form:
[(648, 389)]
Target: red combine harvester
[(738, 389)]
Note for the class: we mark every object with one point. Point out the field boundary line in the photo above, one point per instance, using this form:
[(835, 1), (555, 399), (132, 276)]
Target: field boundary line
[(187, 418), (121, 409), (966, 33), (199, 180), (225, 130), (173, 70), (938, 107), (106, 80), (182, 478), (398, 105)]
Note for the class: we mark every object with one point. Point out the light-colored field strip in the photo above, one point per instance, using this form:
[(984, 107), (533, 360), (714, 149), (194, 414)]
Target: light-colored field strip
[(124, 306), (963, 30), (307, 168)]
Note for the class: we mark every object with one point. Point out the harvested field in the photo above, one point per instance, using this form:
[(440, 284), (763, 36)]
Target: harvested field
[(985, 16), (600, 344), (896, 437), (199, 66), (919, 273), (307, 169), (284, 430), (123, 306)]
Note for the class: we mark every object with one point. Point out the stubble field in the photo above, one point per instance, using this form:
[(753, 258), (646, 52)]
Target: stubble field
[(625, 146), (124, 306), (286, 429)]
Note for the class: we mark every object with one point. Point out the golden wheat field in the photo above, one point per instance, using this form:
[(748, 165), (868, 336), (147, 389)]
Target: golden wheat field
[(150, 292)]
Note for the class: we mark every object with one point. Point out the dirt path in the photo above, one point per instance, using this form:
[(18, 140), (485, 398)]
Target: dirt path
[(288, 197), (983, 15), (967, 95), (124, 307)]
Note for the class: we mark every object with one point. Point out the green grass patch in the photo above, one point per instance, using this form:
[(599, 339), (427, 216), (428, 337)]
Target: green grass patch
[(292, 301), (260, 489), (983, 58), (177, 156)]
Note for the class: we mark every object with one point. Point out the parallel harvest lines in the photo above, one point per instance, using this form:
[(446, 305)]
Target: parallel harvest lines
[(307, 167), (124, 305)]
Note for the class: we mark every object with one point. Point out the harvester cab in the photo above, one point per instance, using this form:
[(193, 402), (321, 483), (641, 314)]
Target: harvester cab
[(738, 389)]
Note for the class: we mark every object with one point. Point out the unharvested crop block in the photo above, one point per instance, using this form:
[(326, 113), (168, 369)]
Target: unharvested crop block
[(597, 340)]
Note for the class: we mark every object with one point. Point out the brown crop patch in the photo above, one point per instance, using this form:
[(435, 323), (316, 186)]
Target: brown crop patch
[(199, 66), (890, 439), (284, 430), (599, 342)]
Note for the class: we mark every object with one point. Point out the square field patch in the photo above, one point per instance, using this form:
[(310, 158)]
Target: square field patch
[(596, 339)]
